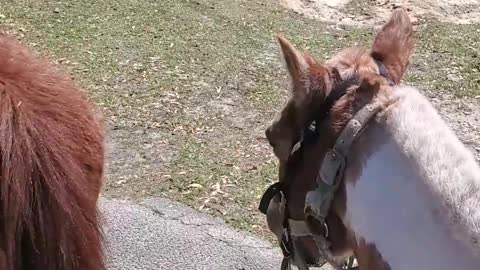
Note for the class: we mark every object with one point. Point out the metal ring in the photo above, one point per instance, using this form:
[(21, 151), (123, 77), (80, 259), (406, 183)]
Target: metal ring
[(326, 229)]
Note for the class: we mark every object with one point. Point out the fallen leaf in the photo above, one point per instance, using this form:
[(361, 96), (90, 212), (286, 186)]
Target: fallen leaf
[(195, 185)]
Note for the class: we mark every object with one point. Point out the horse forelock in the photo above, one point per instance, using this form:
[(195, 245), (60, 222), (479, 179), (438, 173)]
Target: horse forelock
[(51, 167)]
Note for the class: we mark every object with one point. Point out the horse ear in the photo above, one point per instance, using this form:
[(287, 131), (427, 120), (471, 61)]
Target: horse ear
[(295, 62), (394, 44), (299, 67)]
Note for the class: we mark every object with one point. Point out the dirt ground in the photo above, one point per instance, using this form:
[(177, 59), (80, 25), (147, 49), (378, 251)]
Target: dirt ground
[(374, 12)]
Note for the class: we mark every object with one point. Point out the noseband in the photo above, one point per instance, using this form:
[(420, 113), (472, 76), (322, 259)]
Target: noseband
[(318, 202)]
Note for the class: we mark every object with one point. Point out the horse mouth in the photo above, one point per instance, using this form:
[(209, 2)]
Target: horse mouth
[(304, 247), (307, 249)]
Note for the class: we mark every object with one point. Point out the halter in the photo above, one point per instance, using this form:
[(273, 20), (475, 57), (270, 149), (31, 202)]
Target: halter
[(318, 202)]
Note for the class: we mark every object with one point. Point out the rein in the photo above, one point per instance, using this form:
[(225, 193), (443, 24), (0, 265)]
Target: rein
[(318, 201)]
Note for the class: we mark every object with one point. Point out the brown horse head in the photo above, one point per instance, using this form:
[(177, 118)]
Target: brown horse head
[(358, 75), (312, 82)]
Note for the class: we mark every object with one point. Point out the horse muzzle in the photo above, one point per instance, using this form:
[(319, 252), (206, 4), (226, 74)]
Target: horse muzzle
[(304, 247)]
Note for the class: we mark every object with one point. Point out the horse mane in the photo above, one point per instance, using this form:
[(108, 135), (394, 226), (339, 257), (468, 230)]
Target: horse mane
[(51, 167)]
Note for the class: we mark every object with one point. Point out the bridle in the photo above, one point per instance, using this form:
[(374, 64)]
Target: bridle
[(318, 201)]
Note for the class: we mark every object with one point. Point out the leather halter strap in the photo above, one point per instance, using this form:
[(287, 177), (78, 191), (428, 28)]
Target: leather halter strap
[(318, 201)]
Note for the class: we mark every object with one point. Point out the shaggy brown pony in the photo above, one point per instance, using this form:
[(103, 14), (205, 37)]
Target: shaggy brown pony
[(51, 167)]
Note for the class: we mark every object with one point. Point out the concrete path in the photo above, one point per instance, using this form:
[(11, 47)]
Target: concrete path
[(161, 234)]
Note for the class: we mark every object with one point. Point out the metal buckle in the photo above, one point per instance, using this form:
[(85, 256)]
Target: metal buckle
[(327, 232), (332, 163)]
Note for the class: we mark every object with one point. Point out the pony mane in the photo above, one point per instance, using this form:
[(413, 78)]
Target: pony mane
[(51, 167)]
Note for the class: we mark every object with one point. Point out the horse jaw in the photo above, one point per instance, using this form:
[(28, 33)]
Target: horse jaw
[(412, 203)]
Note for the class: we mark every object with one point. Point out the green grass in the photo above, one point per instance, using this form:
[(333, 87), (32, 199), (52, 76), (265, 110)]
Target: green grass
[(448, 49), (198, 81)]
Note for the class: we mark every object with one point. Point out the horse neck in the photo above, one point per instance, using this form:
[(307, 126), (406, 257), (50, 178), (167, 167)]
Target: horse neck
[(413, 192)]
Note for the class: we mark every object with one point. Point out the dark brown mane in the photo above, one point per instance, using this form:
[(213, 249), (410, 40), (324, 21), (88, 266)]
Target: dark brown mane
[(51, 167)]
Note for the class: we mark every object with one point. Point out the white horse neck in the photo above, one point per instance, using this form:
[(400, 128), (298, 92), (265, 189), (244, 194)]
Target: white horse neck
[(417, 194)]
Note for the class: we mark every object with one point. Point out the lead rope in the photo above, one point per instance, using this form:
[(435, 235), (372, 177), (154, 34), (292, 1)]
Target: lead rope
[(285, 242), (286, 264)]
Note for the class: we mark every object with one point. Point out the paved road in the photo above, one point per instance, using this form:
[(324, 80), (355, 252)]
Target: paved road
[(161, 234)]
